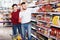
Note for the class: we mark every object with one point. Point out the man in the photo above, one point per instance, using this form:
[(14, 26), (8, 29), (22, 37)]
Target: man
[(15, 20), (25, 15)]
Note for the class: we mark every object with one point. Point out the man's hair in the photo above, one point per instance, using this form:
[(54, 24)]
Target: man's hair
[(23, 3), (14, 5)]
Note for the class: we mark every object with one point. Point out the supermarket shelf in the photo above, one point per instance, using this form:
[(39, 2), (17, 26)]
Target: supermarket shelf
[(33, 6), (53, 37), (53, 2), (6, 17), (34, 28), (43, 34), (34, 36), (43, 27), (40, 13), (34, 20), (55, 26), (50, 13), (44, 21), (41, 5), (5, 21), (8, 26), (57, 13)]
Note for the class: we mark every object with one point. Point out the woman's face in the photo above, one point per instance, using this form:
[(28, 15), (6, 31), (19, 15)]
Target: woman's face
[(15, 7)]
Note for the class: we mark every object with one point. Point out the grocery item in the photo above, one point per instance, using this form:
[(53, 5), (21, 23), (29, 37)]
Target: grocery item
[(38, 17), (58, 33), (42, 31), (33, 15), (43, 17), (55, 20), (45, 32), (46, 8), (48, 25), (58, 4), (50, 39), (42, 9), (39, 24), (47, 19), (36, 3), (49, 8), (53, 0), (53, 32), (58, 7), (40, 37)]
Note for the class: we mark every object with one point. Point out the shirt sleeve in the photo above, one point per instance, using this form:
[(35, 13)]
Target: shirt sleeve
[(18, 10), (20, 15), (30, 10)]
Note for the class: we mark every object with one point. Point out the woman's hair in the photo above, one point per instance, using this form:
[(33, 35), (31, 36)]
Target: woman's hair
[(14, 5)]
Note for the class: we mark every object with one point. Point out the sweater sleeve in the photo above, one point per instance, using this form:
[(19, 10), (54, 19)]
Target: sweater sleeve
[(18, 10)]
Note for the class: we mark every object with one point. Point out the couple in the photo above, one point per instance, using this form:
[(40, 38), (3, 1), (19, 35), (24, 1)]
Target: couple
[(21, 20)]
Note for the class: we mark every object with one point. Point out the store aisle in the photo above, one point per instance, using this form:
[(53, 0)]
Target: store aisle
[(5, 33)]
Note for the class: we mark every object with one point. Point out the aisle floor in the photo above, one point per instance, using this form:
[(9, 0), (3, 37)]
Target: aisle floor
[(5, 33)]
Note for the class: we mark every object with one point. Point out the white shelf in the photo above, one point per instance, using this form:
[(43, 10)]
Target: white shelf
[(53, 37), (7, 25), (34, 36), (51, 13), (34, 28), (33, 20), (43, 34), (54, 13), (55, 26), (53, 2), (4, 21), (48, 29), (44, 21)]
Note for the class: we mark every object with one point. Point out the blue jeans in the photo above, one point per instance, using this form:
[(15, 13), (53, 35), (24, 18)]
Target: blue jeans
[(15, 27), (26, 27)]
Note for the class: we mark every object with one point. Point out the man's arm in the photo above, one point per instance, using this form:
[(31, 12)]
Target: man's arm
[(20, 17)]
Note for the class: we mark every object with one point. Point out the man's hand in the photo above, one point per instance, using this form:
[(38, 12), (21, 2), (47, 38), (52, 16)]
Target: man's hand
[(20, 20)]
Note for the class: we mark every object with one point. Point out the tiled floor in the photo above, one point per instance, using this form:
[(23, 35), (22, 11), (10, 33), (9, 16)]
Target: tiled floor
[(5, 33)]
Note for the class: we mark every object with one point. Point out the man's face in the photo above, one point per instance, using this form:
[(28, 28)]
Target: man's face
[(24, 6), (15, 7)]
